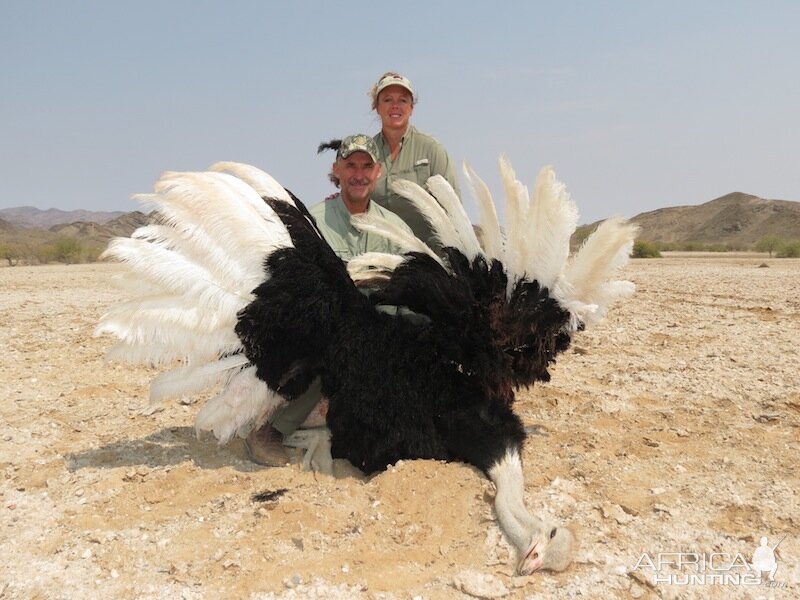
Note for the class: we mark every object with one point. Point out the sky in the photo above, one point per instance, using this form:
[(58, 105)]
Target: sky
[(637, 105)]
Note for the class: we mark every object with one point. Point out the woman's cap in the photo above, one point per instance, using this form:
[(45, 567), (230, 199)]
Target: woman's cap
[(393, 79)]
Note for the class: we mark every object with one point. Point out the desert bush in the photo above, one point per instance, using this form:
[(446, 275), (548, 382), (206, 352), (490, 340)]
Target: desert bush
[(788, 250), (92, 253), (642, 249), (692, 247), (67, 250)]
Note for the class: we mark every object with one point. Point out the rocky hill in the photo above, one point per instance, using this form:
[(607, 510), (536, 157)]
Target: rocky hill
[(91, 231), (736, 219)]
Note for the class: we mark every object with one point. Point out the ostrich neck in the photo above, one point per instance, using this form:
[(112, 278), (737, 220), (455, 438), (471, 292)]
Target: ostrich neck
[(515, 520)]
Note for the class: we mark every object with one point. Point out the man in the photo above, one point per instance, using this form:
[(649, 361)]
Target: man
[(355, 171)]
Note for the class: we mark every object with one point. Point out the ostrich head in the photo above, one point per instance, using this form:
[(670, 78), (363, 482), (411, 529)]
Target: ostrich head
[(540, 545), (550, 549)]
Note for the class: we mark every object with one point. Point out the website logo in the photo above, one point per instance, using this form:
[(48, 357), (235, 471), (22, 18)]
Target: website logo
[(713, 568)]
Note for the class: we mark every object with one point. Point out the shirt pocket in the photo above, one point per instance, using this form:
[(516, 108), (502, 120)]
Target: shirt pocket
[(422, 171)]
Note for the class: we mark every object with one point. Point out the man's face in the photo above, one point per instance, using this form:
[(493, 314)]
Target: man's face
[(357, 174)]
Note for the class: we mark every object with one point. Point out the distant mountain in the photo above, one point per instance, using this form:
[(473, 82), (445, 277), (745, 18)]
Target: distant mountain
[(96, 232), (91, 234), (737, 219), (36, 218)]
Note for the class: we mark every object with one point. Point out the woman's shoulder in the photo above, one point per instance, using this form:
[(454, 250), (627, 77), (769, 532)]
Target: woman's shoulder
[(421, 137)]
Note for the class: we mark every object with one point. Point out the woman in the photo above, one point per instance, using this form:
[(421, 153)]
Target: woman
[(405, 152)]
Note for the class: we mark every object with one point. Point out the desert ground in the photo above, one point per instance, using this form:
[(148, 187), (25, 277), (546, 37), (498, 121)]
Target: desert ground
[(667, 440)]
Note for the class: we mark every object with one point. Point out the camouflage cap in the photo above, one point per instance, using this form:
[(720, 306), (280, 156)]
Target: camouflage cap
[(358, 143), (393, 79)]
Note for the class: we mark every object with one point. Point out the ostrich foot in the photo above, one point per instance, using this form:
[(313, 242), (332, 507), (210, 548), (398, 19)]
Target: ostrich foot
[(317, 443), (265, 447)]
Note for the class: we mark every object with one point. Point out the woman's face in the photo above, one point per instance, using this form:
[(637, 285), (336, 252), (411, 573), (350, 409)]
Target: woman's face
[(395, 106)]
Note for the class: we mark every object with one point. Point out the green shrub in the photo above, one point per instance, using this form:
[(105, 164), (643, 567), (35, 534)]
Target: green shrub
[(789, 250), (642, 249), (67, 250)]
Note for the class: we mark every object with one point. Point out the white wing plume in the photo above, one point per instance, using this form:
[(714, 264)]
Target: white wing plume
[(406, 240), (191, 271), (245, 403), (263, 183), (373, 266)]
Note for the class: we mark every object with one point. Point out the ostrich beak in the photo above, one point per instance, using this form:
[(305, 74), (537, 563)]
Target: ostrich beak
[(532, 561)]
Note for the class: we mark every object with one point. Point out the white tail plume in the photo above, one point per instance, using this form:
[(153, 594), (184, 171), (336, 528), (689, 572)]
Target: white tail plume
[(487, 216), (588, 278), (430, 209), (551, 220), (517, 203), (447, 198)]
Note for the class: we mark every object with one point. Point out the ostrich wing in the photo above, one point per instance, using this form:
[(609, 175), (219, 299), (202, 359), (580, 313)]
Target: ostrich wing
[(191, 271)]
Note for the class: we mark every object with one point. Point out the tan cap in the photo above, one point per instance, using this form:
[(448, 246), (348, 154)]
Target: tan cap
[(393, 79)]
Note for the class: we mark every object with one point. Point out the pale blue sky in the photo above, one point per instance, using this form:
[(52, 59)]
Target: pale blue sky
[(637, 104)]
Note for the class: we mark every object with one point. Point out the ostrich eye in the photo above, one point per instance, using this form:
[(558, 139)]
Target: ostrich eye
[(552, 533)]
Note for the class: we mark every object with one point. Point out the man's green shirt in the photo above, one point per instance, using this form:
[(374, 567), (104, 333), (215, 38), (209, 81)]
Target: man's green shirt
[(333, 220)]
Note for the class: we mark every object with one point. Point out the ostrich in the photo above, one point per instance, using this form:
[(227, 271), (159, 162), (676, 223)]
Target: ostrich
[(236, 284)]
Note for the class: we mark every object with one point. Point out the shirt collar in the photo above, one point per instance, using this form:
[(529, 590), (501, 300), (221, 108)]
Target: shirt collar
[(384, 145)]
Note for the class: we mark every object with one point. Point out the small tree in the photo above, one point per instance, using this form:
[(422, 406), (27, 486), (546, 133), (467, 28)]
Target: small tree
[(769, 243), (11, 253), (67, 250)]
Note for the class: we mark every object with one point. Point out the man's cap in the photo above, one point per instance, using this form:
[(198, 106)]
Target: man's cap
[(358, 143), (393, 79)]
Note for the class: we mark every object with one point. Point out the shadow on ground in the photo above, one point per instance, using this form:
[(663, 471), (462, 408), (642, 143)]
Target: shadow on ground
[(168, 447)]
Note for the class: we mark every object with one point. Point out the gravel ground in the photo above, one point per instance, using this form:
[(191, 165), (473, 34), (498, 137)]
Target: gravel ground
[(667, 439)]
